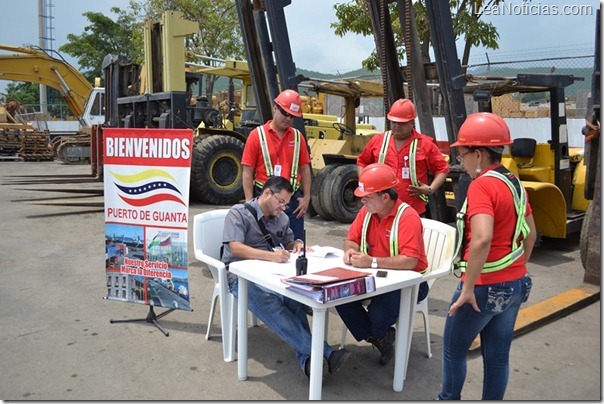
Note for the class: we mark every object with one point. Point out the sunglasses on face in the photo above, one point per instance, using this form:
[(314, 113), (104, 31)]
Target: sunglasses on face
[(283, 112)]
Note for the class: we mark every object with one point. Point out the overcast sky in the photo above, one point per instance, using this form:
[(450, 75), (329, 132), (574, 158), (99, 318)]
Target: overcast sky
[(526, 31)]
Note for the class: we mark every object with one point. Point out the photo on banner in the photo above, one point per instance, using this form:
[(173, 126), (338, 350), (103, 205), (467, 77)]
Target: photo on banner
[(146, 182)]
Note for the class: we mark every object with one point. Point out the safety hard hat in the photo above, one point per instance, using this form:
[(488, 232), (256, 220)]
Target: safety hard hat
[(375, 178), (483, 129), (290, 101), (402, 110)]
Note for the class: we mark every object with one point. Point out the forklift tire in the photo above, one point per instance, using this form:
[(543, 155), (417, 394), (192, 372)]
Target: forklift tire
[(216, 171), (316, 191), (343, 205)]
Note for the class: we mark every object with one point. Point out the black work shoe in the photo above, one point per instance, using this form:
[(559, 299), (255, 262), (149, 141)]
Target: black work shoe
[(385, 345), (388, 346), (336, 359)]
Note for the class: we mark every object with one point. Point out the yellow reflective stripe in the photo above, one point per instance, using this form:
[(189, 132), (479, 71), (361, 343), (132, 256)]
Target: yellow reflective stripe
[(521, 228), (460, 224), (393, 241), (412, 170), (364, 233), (268, 166), (384, 148), (394, 230), (294, 172)]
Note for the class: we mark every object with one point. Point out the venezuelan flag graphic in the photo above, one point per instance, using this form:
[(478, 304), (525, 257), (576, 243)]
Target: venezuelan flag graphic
[(161, 240), (147, 187)]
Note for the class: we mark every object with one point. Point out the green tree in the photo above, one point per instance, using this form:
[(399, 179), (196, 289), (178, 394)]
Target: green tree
[(25, 93), (353, 16), (28, 95), (104, 36)]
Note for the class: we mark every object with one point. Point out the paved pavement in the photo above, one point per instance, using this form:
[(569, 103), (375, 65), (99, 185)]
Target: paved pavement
[(58, 344)]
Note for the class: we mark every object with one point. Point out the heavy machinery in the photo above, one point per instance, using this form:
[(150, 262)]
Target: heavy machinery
[(273, 70), (552, 172), (161, 94), (84, 100)]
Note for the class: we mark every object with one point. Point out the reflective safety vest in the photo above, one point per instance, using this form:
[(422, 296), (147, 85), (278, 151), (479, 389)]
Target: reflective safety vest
[(412, 151), (293, 179), (522, 226), (393, 231)]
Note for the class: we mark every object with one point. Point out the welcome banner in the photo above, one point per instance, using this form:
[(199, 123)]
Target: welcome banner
[(146, 181)]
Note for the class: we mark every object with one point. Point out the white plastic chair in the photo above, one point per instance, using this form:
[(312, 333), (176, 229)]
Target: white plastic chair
[(207, 240), (439, 242)]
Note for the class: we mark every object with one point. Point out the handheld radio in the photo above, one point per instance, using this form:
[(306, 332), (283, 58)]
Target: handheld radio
[(302, 261)]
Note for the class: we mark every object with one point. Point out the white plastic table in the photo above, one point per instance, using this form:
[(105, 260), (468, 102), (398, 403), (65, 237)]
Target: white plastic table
[(269, 275)]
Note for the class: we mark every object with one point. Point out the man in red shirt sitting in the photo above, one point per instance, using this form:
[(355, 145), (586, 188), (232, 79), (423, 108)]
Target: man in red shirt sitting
[(387, 234)]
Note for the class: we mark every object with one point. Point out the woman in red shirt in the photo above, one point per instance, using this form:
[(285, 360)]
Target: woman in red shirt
[(497, 237)]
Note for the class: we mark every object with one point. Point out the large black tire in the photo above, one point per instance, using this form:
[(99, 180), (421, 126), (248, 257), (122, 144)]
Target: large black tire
[(316, 194), (343, 205), (216, 172)]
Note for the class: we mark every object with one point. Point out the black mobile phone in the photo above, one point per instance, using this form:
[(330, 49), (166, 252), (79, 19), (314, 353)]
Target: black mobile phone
[(381, 274)]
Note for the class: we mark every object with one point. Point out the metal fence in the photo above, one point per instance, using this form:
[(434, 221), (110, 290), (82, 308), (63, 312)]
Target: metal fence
[(536, 105), (516, 105)]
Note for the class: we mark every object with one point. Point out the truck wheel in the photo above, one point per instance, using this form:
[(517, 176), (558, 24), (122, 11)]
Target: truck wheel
[(216, 172), (343, 205), (316, 191)]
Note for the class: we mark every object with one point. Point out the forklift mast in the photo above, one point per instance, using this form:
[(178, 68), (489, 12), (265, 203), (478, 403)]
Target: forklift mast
[(451, 79), (271, 63)]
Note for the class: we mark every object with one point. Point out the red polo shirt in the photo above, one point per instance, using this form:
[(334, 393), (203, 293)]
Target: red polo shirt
[(428, 158), (281, 152), (492, 196), (410, 235)]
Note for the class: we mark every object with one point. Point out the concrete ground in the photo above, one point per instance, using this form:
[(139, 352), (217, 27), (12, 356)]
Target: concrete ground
[(58, 344)]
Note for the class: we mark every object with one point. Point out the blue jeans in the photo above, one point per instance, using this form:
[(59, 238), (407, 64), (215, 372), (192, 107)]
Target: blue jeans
[(381, 314), (284, 316), (499, 305), (297, 225)]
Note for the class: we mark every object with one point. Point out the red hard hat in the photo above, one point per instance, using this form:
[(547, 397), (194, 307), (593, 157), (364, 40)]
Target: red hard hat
[(290, 101), (374, 178), (483, 129), (402, 110)]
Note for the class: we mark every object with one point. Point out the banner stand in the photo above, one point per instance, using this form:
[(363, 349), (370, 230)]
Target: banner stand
[(151, 318)]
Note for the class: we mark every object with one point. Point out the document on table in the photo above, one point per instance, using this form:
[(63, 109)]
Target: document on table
[(322, 252)]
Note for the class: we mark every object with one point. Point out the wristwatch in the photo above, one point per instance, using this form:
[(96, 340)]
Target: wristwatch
[(374, 263)]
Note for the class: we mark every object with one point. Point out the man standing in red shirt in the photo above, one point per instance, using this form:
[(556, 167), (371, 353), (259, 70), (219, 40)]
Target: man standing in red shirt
[(276, 148), (386, 234), (411, 155)]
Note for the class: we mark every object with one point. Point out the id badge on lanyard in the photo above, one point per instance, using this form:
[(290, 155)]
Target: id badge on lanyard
[(277, 170), (405, 169)]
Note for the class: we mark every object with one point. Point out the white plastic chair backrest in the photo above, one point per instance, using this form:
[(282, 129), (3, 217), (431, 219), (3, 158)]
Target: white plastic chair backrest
[(207, 237), (439, 242)]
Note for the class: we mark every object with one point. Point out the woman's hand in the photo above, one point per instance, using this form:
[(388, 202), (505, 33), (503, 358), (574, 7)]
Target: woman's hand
[(465, 297)]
